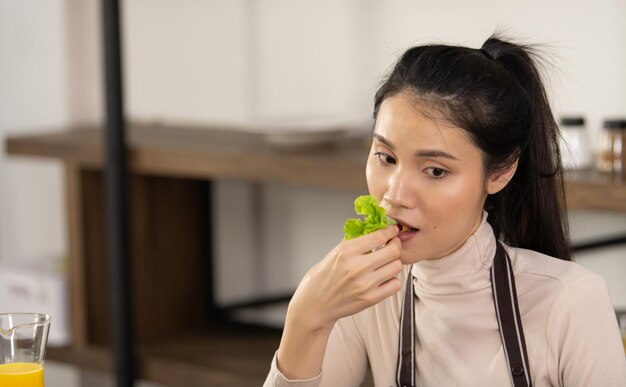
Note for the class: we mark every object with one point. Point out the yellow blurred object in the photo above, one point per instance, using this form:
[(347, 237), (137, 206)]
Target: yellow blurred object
[(21, 375)]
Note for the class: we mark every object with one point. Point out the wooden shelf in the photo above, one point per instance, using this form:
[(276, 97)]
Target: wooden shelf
[(210, 153), (222, 152), (593, 190)]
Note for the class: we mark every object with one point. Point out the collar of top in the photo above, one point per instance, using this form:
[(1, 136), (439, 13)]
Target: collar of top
[(463, 271)]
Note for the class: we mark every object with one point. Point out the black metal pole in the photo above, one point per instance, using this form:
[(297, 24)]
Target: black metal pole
[(117, 200)]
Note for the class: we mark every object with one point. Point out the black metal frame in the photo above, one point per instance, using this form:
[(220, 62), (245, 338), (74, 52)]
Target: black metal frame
[(118, 223)]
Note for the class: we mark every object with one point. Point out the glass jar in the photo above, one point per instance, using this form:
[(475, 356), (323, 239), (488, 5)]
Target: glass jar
[(574, 143), (611, 153)]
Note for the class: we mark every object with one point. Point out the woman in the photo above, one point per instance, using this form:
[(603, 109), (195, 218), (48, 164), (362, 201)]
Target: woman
[(465, 149)]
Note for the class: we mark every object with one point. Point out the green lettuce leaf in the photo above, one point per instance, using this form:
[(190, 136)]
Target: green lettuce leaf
[(375, 218)]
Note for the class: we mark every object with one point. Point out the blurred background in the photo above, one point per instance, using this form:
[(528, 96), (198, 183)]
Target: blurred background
[(208, 62)]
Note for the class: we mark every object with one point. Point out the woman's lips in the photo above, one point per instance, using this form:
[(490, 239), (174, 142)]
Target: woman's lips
[(406, 232), (406, 235)]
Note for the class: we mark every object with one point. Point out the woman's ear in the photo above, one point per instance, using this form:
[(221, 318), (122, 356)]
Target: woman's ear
[(497, 181)]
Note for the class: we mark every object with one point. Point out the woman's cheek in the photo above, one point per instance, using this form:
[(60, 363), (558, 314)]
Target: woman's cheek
[(375, 181)]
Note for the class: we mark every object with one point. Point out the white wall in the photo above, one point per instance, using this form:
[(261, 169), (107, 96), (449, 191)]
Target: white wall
[(33, 97), (584, 39), (199, 61), (186, 60)]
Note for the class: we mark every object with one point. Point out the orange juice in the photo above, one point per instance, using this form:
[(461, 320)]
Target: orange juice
[(21, 375)]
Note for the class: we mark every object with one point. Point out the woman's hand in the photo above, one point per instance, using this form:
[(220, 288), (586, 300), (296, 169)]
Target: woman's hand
[(355, 275)]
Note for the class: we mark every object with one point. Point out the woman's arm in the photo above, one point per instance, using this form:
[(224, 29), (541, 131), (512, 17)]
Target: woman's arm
[(345, 360), (355, 275)]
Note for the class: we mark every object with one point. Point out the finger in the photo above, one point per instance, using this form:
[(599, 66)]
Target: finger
[(372, 241), (384, 273), (386, 289), (391, 251), (388, 271)]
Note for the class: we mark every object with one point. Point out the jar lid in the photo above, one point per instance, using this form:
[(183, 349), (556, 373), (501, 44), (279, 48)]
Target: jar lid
[(572, 121), (615, 124)]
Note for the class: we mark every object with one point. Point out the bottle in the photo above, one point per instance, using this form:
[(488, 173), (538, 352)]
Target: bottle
[(611, 153), (574, 143)]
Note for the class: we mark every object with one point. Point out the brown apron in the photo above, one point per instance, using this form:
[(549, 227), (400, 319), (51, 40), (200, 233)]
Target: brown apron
[(509, 321)]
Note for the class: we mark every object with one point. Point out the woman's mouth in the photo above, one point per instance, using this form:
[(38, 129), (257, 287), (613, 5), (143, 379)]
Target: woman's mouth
[(405, 228), (406, 232)]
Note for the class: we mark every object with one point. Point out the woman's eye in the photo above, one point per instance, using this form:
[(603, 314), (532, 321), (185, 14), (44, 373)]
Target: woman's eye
[(436, 172), (385, 158)]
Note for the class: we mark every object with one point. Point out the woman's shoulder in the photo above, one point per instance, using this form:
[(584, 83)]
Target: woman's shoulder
[(562, 289), (529, 263)]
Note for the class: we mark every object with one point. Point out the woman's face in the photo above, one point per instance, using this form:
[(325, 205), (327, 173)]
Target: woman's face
[(429, 176)]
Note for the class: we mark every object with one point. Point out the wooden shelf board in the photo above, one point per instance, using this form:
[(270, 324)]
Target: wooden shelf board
[(206, 154), (221, 152), (593, 190)]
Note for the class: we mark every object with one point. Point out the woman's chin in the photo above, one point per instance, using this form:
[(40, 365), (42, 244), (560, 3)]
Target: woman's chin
[(408, 258)]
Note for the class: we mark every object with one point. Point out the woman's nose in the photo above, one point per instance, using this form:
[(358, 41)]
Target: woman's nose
[(400, 191)]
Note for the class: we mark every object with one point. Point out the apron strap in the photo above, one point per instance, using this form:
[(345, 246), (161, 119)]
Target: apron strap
[(407, 368), (509, 322)]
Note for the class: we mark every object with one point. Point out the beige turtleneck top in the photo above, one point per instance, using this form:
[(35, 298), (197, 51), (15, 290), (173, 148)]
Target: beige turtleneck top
[(569, 323)]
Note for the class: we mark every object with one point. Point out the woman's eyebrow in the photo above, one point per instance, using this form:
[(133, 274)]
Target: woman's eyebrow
[(420, 153), (382, 139), (435, 153)]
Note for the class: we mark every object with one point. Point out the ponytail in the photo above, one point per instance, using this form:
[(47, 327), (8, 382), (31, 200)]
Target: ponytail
[(496, 95), (530, 211)]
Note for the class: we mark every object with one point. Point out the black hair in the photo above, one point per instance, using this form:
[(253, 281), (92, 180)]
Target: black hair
[(496, 94)]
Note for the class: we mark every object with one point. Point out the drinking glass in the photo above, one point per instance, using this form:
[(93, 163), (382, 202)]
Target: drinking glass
[(23, 340)]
